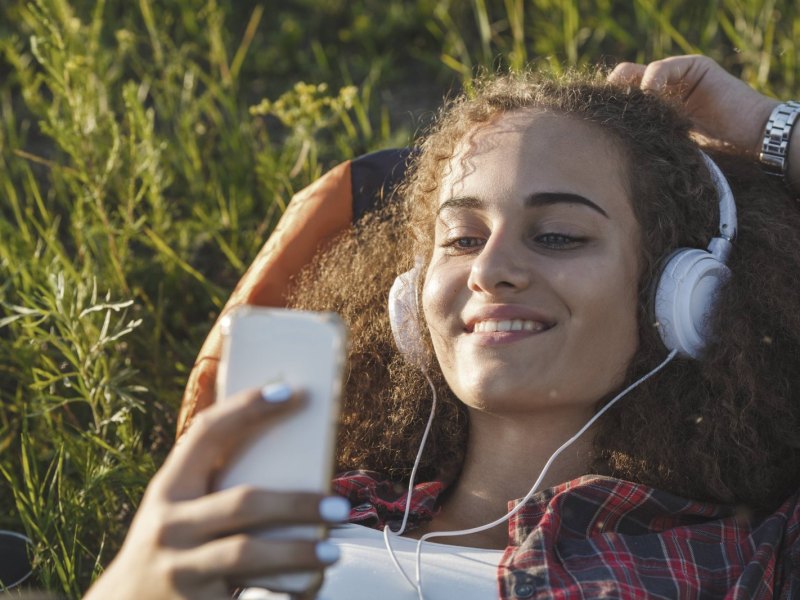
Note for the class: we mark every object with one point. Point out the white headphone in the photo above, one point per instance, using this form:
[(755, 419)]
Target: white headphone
[(684, 297), (404, 317), (691, 279)]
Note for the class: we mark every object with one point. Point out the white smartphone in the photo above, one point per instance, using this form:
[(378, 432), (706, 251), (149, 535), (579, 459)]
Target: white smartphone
[(306, 350)]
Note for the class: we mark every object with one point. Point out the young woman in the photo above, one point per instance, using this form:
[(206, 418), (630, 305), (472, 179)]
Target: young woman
[(542, 215)]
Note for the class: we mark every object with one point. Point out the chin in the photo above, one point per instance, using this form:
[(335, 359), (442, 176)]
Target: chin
[(495, 394)]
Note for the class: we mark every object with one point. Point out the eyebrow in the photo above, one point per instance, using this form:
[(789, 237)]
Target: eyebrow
[(535, 199)]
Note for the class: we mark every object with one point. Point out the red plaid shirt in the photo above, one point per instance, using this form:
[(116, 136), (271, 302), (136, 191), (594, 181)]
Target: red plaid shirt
[(599, 537)]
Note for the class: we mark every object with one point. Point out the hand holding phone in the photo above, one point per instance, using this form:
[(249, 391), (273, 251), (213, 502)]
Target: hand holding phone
[(187, 541), (306, 351)]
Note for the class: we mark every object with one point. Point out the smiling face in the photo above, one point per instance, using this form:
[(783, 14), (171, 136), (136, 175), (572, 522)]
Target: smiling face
[(531, 293)]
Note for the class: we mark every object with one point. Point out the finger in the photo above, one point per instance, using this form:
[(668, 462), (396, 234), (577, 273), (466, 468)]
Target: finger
[(216, 434), (245, 508), (627, 73), (240, 557), (677, 74)]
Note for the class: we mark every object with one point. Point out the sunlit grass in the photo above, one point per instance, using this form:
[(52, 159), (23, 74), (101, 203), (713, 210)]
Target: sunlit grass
[(148, 148)]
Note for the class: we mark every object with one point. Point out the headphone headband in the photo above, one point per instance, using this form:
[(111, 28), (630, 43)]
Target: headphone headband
[(727, 211)]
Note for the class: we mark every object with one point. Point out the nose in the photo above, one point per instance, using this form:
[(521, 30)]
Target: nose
[(501, 264)]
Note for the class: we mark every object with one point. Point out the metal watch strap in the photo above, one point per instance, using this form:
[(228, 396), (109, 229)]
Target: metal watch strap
[(775, 147)]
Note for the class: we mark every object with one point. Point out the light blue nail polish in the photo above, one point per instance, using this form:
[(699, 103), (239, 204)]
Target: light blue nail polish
[(276, 393), (334, 509), (327, 553)]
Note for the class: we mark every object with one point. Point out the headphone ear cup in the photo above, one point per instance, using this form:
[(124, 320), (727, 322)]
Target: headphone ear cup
[(685, 295), (404, 318)]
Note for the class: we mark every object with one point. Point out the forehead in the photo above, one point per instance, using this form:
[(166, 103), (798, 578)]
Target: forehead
[(530, 151)]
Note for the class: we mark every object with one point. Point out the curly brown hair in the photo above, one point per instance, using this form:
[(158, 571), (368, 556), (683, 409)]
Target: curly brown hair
[(725, 428)]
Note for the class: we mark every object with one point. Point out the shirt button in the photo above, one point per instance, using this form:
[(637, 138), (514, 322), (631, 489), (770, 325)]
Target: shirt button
[(523, 590), (524, 587)]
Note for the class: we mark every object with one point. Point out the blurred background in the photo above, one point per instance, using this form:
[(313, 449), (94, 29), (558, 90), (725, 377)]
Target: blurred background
[(147, 148)]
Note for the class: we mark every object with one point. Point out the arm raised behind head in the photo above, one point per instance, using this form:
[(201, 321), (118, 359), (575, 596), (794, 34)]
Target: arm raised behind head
[(725, 111)]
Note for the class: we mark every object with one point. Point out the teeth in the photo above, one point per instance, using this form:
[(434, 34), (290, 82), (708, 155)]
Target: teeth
[(508, 325)]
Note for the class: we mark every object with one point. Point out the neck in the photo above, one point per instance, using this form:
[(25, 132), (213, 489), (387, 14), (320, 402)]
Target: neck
[(505, 455)]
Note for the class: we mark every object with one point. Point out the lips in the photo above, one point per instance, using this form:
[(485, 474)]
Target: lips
[(502, 318), (490, 326)]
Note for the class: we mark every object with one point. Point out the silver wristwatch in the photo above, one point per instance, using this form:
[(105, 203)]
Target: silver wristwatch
[(775, 147)]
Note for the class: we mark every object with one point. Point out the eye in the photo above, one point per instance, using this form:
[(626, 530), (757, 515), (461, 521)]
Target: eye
[(467, 242), (558, 241), (464, 243)]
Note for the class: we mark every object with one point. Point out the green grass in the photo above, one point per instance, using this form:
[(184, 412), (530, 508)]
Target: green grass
[(147, 149)]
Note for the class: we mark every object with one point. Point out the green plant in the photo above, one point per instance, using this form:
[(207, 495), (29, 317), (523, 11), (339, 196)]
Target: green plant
[(141, 169)]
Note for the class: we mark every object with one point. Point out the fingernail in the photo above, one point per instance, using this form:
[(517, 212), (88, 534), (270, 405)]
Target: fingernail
[(276, 393), (334, 509), (327, 553)]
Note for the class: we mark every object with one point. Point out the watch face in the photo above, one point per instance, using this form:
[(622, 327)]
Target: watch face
[(15, 566)]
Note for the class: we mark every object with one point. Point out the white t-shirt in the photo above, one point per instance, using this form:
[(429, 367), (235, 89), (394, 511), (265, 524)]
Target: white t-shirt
[(365, 570)]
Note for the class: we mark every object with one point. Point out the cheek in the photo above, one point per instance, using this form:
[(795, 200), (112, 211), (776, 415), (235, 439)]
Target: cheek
[(441, 309), (436, 301), (601, 297), (621, 322), (612, 316)]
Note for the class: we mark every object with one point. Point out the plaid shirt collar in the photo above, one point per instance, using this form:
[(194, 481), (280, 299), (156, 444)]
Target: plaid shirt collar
[(600, 537)]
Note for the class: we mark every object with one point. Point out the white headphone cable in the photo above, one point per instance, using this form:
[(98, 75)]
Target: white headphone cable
[(418, 555), (538, 482), (387, 531)]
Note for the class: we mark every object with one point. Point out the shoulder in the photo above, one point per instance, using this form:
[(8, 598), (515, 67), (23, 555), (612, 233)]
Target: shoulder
[(598, 533)]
